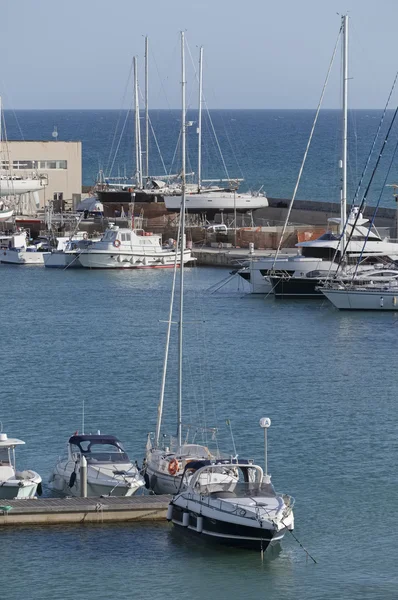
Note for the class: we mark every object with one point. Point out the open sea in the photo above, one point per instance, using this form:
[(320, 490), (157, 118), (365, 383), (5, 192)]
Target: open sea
[(263, 147), (327, 379)]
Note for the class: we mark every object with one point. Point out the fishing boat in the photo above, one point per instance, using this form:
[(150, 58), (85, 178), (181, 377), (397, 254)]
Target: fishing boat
[(165, 462), (124, 248), (13, 483), (21, 252), (109, 469), (232, 502), (67, 253)]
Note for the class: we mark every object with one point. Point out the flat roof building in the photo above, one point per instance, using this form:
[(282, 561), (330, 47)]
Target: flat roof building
[(60, 162)]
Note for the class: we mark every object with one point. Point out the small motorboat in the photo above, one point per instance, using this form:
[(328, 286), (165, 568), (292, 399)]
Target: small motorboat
[(233, 502), (13, 483), (109, 469)]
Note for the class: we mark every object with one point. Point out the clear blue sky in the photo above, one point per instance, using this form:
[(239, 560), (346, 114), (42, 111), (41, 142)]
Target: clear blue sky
[(258, 54)]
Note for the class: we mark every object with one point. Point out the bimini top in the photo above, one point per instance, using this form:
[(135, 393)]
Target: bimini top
[(6, 442), (98, 439)]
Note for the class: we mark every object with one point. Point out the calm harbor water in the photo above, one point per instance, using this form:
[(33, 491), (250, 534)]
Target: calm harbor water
[(327, 380)]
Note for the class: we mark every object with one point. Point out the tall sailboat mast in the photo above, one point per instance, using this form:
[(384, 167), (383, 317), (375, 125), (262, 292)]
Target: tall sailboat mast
[(343, 214), (137, 129), (200, 118), (182, 240), (146, 109)]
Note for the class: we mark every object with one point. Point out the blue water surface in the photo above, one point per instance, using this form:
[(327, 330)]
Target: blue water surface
[(326, 379)]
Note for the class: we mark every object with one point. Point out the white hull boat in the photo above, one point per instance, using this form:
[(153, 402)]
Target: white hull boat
[(60, 259), (130, 249), (164, 469), (17, 256), (233, 503), (218, 201), (15, 186), (364, 295), (6, 214), (13, 483), (109, 469)]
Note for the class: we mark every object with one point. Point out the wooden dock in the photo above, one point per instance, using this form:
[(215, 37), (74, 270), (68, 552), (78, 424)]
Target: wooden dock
[(56, 511)]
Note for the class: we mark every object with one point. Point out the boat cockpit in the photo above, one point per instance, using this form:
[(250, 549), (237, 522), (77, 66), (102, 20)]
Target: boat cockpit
[(98, 449)]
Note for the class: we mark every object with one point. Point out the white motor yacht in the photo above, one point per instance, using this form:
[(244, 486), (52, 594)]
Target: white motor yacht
[(123, 248), (296, 276), (13, 483), (109, 469), (232, 502)]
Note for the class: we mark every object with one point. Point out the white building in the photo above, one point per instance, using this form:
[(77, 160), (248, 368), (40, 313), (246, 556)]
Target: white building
[(60, 162)]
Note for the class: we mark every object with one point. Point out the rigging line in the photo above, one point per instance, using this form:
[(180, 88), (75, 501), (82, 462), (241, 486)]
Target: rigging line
[(120, 140), (366, 192), (375, 140), (120, 115), (154, 137), (308, 147), (216, 138), (375, 210)]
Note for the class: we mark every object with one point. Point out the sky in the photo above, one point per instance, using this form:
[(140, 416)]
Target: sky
[(77, 54)]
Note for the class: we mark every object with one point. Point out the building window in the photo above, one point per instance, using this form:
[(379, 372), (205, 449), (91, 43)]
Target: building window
[(37, 164), (58, 196)]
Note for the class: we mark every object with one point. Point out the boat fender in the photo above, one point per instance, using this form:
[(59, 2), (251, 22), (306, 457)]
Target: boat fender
[(72, 479), (85, 236), (169, 512), (154, 481), (39, 490), (147, 482), (173, 466), (199, 524), (185, 519), (116, 243)]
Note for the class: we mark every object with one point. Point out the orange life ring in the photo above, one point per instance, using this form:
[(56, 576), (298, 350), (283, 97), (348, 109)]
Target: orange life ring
[(116, 243), (173, 466)]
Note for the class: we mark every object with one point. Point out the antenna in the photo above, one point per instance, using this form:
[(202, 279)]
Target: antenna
[(265, 423)]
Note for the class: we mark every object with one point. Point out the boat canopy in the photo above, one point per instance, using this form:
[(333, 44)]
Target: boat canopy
[(99, 448)]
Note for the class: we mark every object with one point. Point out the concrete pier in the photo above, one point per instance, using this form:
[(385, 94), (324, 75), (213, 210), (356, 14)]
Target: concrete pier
[(56, 511)]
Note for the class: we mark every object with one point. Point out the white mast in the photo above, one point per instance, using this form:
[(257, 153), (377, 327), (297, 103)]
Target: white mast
[(146, 110), (182, 239), (137, 129), (343, 213), (200, 119)]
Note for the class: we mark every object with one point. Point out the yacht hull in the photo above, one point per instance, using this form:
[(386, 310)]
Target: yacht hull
[(162, 483), (295, 287), (25, 487), (227, 533), (62, 260), (22, 257), (60, 483), (382, 300), (130, 260)]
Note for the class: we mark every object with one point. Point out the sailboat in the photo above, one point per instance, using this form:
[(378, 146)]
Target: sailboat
[(165, 464), (213, 199)]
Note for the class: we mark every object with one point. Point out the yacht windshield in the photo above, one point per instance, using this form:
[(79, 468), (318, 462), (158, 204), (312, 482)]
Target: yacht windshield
[(109, 236), (101, 451)]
